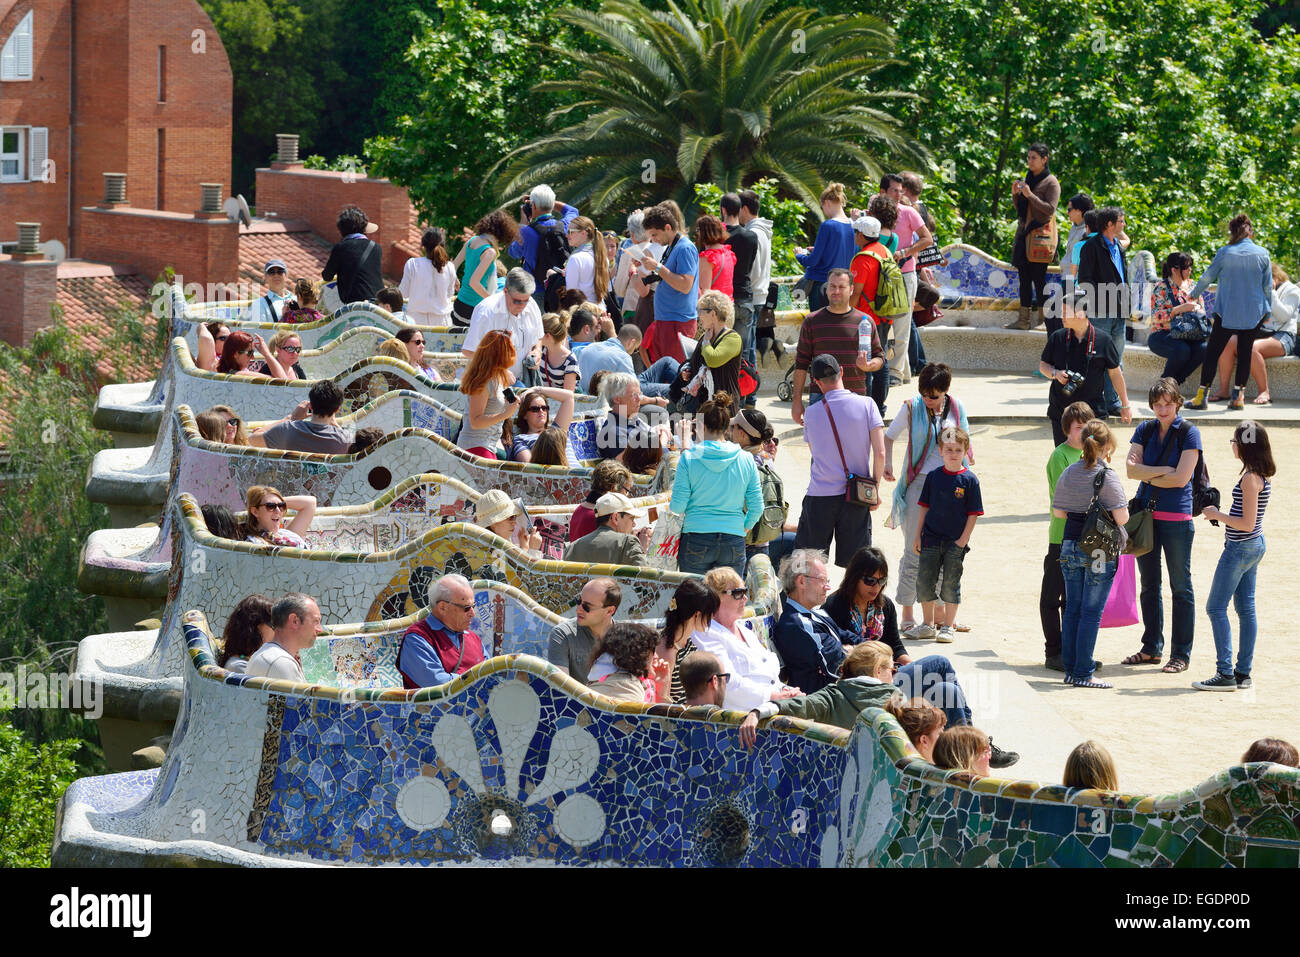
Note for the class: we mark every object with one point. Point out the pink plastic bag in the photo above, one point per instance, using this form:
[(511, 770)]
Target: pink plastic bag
[(1122, 607)]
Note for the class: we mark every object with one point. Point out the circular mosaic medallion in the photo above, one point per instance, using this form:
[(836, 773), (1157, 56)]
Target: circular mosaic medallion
[(423, 803)]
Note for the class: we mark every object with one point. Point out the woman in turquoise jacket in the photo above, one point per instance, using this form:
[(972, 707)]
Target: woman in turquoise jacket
[(717, 491)]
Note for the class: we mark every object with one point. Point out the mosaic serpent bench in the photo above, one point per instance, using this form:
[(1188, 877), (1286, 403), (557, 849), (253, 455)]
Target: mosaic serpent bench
[(129, 567), (349, 586), (137, 408), (136, 483), (515, 762)]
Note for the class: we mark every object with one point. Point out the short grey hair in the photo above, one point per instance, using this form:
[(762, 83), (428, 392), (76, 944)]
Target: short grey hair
[(799, 562), (520, 280), (721, 304), (616, 384), (294, 603), (443, 588), (636, 225), (543, 198)]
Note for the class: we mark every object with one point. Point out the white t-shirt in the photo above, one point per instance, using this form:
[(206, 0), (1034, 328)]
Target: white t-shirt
[(902, 422), (580, 273), (425, 289), (491, 314), (272, 661), (622, 278)]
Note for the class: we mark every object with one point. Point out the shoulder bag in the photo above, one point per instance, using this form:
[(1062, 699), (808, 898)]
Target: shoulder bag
[(1041, 242), (861, 489), (1191, 326), (1100, 533)]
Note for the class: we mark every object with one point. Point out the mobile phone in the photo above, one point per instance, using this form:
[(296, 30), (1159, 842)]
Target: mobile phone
[(508, 394)]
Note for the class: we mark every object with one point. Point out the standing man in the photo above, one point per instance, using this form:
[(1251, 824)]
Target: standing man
[(833, 330), (1103, 281), (436, 650), (543, 241), (834, 430), (571, 642), (913, 237), (678, 284), (744, 243), (271, 306), (356, 258), (1079, 348), (295, 621), (511, 310)]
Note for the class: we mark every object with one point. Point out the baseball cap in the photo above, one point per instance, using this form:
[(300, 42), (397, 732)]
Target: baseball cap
[(868, 226), (612, 503), (275, 264), (825, 366), (371, 228)]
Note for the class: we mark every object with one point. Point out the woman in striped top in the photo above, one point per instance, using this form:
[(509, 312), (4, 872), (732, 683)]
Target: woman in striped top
[(559, 365), (1243, 549)]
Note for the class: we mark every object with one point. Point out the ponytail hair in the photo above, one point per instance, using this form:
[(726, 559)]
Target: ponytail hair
[(434, 243), (1098, 442)]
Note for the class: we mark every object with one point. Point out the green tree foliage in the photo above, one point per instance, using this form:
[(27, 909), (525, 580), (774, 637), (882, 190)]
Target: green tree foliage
[(719, 92), (1175, 109), (35, 777)]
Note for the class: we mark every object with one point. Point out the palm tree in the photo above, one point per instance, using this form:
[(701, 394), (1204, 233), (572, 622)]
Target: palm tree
[(714, 91)]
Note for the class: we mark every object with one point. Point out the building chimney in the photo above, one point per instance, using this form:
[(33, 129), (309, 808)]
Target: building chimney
[(210, 207), (286, 148), (114, 189), (29, 241)]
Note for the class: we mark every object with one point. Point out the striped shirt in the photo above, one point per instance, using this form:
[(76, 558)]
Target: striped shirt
[(1235, 535), (836, 333), (554, 374), (677, 690)]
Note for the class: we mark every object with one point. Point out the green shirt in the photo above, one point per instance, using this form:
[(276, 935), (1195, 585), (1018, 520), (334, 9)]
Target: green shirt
[(1062, 458)]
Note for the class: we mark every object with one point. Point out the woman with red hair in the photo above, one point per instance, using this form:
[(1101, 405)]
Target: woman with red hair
[(238, 352), (491, 401)]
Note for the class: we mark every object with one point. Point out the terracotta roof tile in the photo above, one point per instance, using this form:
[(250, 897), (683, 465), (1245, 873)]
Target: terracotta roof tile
[(304, 253)]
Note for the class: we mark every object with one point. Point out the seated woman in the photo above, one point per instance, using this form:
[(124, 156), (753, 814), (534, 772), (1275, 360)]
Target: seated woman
[(963, 748), (221, 522), (714, 366), (247, 628), (921, 721), (211, 426), (607, 476), (1279, 338), (551, 448), (754, 671), (535, 415), (692, 607), (286, 346), (302, 307), (266, 509), (559, 363), (1091, 766), (235, 431), (212, 339), (861, 607), (499, 513), (412, 340), (636, 666), (238, 354), (1272, 749)]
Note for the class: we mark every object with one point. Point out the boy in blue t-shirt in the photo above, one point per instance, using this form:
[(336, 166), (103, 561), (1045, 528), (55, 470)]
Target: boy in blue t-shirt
[(951, 503)]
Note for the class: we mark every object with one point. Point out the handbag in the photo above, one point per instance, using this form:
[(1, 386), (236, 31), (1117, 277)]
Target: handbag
[(1121, 604), (1100, 533), (927, 293), (1191, 326), (860, 489), (1041, 243), (923, 317), (1141, 532)]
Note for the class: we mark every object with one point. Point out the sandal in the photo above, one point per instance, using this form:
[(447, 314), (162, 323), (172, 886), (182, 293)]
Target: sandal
[(1090, 683), (1176, 666), (962, 628), (1142, 658)]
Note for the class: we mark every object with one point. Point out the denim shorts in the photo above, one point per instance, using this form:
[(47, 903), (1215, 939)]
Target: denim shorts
[(1288, 342)]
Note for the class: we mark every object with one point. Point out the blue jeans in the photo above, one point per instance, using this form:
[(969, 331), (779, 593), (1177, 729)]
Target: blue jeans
[(934, 679), (1235, 579), (775, 550), (1114, 328), (744, 327), (1182, 358), (1175, 540), (700, 551), (659, 376), (1087, 586)]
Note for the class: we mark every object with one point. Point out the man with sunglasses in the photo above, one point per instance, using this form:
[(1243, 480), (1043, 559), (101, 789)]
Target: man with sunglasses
[(514, 311), (703, 679), (271, 306), (810, 643), (442, 646), (571, 642), (613, 542)]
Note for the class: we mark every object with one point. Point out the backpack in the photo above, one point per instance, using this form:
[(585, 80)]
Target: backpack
[(749, 378), (891, 292), (775, 509), (552, 253), (1203, 493)]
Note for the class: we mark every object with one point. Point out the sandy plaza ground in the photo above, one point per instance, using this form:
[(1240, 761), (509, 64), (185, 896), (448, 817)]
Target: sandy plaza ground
[(1164, 735)]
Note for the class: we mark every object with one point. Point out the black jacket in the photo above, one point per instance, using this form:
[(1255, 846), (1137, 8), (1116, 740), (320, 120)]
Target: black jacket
[(356, 262), (837, 606), (1105, 287)]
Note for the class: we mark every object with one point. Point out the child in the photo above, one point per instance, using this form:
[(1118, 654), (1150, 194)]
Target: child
[(1091, 766), (636, 666), (1051, 596), (302, 308), (950, 504), (390, 297), (1243, 550)]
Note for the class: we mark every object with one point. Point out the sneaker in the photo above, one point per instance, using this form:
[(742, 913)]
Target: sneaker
[(1089, 683), (1000, 758), (946, 635), (1243, 681), (921, 632), (1217, 683)]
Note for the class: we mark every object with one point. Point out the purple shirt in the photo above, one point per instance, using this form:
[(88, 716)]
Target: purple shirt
[(855, 417)]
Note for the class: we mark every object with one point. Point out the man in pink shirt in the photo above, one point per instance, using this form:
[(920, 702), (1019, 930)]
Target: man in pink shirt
[(913, 237)]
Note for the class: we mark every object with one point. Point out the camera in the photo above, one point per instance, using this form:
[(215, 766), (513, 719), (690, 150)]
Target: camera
[(527, 205), (1071, 384)]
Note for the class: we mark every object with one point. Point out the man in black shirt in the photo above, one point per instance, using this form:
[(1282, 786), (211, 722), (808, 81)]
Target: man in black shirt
[(1079, 348), (355, 259), (744, 243)]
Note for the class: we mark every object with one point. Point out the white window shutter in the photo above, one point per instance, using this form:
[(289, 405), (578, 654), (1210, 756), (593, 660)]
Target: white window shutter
[(16, 56), (38, 151)]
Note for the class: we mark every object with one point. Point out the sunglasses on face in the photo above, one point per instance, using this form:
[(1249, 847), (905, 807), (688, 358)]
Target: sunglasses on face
[(275, 272), (737, 593), (870, 582), (587, 606), (244, 352), (456, 604), (723, 676), (232, 424), (539, 408), (291, 349), (520, 302), (275, 506), (417, 342), (933, 396)]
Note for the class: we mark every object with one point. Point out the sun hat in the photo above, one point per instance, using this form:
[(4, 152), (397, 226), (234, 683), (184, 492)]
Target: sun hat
[(611, 503), (494, 506)]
